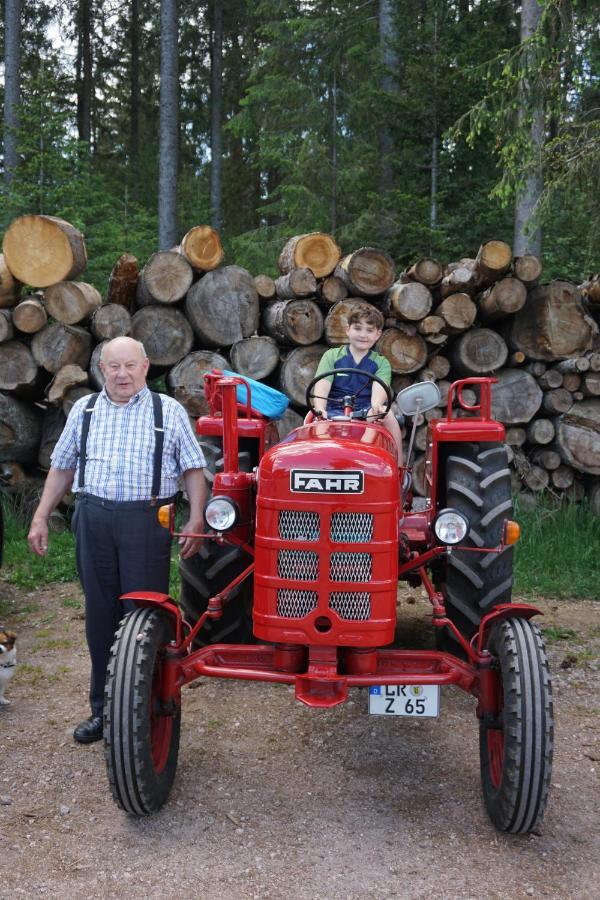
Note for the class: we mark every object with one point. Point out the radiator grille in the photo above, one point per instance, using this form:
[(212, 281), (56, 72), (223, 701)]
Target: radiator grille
[(352, 528), (295, 604), (302, 565), (351, 605), (350, 567), (298, 525)]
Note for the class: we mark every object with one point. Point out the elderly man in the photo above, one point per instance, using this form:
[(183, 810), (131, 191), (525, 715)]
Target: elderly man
[(124, 450)]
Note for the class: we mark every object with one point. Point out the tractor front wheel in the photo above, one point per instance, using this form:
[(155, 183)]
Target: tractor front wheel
[(141, 731), (516, 742)]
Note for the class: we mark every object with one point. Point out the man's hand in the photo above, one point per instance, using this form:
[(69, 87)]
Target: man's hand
[(38, 535), (189, 546)]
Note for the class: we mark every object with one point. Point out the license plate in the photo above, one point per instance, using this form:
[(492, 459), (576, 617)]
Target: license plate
[(417, 700)]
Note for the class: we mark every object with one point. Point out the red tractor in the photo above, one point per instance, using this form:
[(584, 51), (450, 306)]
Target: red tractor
[(297, 583)]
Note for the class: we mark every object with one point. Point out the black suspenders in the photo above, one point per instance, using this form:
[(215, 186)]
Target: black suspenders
[(159, 434)]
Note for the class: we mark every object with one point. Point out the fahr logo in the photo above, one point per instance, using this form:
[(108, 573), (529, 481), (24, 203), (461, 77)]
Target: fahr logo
[(311, 481)]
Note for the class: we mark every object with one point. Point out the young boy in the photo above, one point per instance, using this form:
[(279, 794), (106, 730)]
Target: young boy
[(365, 324)]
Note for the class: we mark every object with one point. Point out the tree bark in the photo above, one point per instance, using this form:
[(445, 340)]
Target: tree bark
[(123, 281), (216, 113), (458, 312), (410, 301), (6, 325), (168, 143), (265, 287), (72, 302), (406, 353), (527, 234), (528, 269), (578, 436), (553, 325), (427, 271), (134, 93), (10, 288), (20, 430), (331, 290), (84, 71), (256, 356), (296, 283), (65, 379), (368, 271), (505, 298), (30, 315), (12, 86), (56, 345), (18, 368)]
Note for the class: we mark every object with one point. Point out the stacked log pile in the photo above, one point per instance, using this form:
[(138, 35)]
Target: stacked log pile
[(483, 315)]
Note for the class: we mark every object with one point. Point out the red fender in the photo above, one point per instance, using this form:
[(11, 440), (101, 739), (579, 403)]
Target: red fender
[(504, 611), (159, 601)]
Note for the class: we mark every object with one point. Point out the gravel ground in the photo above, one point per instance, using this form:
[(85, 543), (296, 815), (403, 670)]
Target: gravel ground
[(273, 800)]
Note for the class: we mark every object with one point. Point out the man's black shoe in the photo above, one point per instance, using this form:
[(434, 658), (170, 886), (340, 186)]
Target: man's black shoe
[(89, 731)]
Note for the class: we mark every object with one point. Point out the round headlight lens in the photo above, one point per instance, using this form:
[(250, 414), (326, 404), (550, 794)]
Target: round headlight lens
[(220, 513), (450, 526)]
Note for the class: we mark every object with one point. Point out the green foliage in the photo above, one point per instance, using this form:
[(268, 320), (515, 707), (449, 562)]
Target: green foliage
[(556, 555), (26, 570)]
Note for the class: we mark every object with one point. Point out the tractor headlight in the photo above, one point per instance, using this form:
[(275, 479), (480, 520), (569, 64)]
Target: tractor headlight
[(450, 526), (221, 513)]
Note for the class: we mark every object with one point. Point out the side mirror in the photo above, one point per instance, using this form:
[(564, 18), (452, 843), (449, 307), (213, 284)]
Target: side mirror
[(418, 398)]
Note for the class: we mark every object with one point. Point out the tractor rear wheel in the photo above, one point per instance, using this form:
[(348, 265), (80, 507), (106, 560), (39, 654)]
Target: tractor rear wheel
[(516, 744), (478, 485), (141, 733), (216, 565)]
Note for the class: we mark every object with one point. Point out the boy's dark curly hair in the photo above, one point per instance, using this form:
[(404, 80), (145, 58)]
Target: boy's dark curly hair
[(364, 312)]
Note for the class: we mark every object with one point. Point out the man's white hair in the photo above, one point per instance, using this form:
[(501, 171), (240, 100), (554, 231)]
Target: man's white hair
[(139, 343)]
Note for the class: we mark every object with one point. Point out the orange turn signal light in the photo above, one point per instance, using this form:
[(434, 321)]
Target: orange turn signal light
[(512, 532), (164, 515)]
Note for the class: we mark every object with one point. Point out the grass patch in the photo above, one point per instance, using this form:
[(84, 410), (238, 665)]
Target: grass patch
[(26, 570), (72, 603), (557, 555), (554, 633)]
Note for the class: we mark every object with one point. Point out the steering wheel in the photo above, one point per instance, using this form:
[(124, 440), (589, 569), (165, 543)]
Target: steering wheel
[(369, 380)]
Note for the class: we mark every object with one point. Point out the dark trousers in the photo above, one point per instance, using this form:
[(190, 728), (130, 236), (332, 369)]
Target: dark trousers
[(120, 548)]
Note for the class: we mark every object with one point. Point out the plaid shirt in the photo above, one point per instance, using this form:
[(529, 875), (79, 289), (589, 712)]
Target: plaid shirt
[(120, 447)]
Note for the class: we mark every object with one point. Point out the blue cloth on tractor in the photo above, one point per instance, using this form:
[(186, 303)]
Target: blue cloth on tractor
[(264, 399)]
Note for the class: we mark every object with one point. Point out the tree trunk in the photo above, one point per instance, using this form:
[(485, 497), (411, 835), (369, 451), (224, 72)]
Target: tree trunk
[(73, 395), (515, 436), (20, 430), (462, 279), (297, 283), (216, 112), (72, 301), (576, 364), (57, 345), (540, 431), (562, 477), (123, 281), (65, 379), (557, 401), (478, 351), (29, 315), (458, 312), (223, 306), (41, 250), (332, 290), (12, 86), (185, 381), (527, 235), (265, 287), (578, 436), (492, 261), (166, 334), (516, 397), (10, 288), (553, 325), (298, 370), (53, 422), (18, 368), (368, 272), (165, 278), (590, 386), (256, 356), (84, 71), (439, 365), (590, 289), (293, 321), (551, 379), (410, 301), (406, 353), (389, 58), (202, 248), (6, 326), (134, 95), (427, 271), (547, 458), (110, 321), (504, 298), (168, 144), (316, 251), (527, 269), (95, 372), (289, 420), (431, 325)]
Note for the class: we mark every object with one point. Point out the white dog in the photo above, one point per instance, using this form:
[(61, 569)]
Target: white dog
[(8, 661)]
